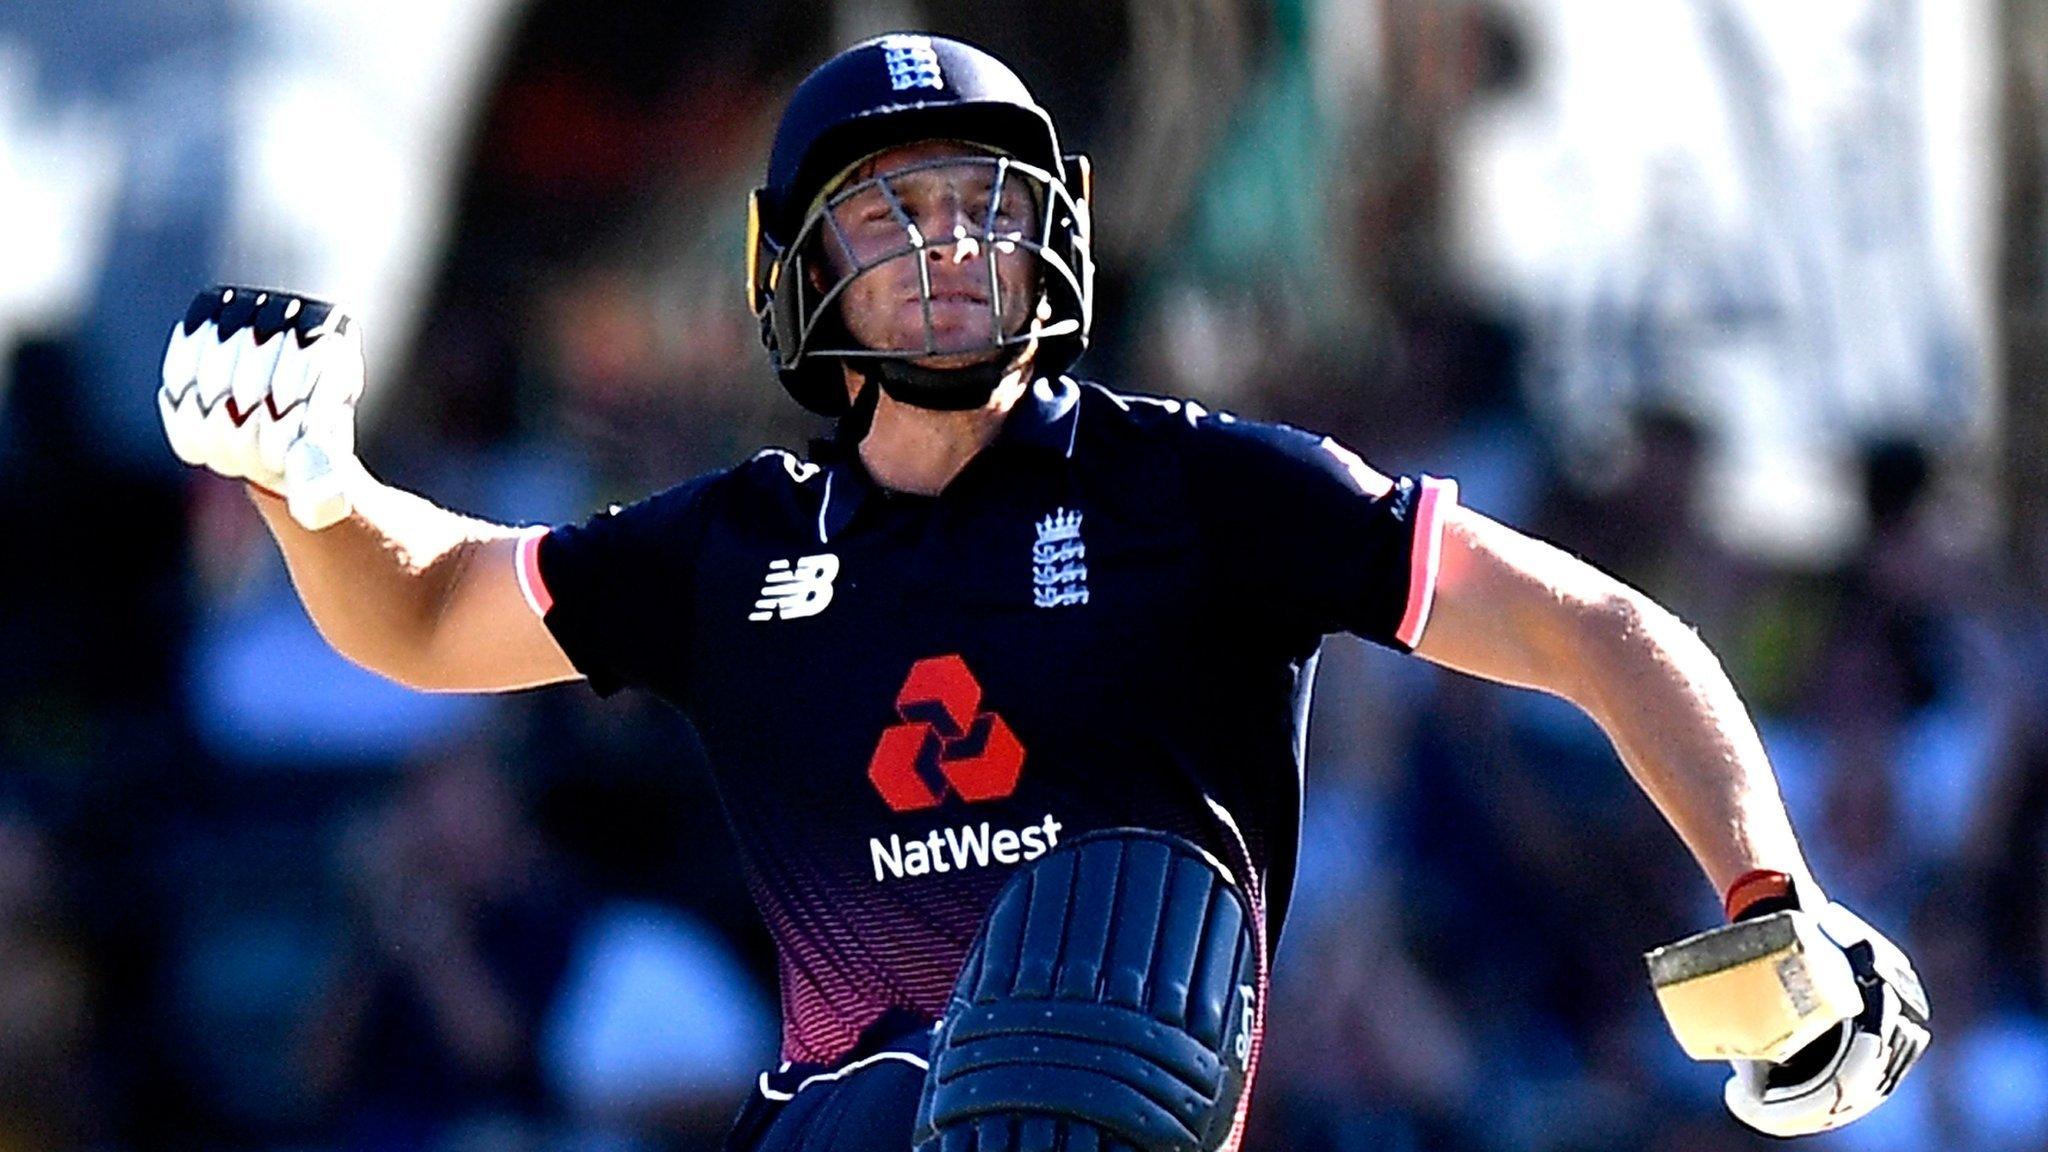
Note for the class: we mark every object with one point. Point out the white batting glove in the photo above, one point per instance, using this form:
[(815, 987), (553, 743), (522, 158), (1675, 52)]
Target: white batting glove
[(1851, 1070), (261, 385)]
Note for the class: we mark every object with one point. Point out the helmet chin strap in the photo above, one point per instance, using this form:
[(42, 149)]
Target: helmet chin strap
[(938, 389), (860, 415)]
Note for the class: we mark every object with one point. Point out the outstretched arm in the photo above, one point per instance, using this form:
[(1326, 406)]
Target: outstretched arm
[(1517, 610), (419, 594), (261, 385)]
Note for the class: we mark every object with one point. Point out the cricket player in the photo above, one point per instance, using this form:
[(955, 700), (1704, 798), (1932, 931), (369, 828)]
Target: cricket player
[(1004, 683)]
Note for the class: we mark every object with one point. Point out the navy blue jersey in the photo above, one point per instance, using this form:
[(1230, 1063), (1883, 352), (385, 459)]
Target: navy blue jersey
[(1108, 618)]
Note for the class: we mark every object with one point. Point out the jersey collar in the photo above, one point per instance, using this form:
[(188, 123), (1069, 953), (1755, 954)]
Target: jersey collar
[(1046, 419), (1048, 416)]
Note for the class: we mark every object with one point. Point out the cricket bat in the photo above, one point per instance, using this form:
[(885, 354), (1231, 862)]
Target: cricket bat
[(1754, 990)]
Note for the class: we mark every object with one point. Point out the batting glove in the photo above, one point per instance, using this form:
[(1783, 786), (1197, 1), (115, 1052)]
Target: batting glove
[(261, 385), (1851, 1070)]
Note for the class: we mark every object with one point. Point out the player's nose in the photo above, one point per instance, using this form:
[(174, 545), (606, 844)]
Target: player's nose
[(960, 245), (954, 229)]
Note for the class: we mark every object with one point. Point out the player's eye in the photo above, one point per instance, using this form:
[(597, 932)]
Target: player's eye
[(977, 210), (865, 205), (1007, 209)]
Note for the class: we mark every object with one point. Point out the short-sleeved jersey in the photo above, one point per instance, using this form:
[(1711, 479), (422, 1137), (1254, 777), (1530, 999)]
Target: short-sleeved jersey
[(1108, 618)]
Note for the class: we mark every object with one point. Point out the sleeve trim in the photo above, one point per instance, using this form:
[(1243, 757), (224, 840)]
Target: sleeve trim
[(531, 585), (1437, 497)]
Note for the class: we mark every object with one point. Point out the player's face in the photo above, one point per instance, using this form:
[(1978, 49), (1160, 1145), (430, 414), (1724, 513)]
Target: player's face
[(938, 241)]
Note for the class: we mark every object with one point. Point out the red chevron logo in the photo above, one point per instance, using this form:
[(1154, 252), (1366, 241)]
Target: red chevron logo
[(238, 417), (946, 743)]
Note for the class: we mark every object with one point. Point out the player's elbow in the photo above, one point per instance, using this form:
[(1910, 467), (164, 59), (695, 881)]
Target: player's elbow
[(420, 671), (399, 646), (452, 659), (418, 675), (383, 651)]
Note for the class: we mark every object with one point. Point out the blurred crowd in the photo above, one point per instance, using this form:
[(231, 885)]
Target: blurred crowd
[(252, 898)]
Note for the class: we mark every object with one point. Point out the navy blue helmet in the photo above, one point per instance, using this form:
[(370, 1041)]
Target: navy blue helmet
[(889, 91)]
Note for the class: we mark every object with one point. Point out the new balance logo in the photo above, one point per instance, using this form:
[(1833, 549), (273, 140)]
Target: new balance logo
[(796, 588), (911, 62)]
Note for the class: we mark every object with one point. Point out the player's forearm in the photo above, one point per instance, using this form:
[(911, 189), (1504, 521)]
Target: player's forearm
[(1662, 697), (378, 583)]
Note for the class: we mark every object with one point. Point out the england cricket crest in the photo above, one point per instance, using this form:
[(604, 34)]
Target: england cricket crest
[(1059, 572), (912, 62)]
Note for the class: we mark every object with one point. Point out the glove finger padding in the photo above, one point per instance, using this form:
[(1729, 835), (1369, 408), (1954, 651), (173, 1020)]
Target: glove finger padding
[(1847, 1073), (252, 374), (177, 399), (221, 424), (318, 460)]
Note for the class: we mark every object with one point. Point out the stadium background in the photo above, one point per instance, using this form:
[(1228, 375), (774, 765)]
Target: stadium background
[(1742, 300)]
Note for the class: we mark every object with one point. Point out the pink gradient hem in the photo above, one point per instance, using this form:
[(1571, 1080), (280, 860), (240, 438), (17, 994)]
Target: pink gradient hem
[(1438, 497), (530, 584)]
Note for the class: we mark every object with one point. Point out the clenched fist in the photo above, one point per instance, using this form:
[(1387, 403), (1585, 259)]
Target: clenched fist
[(261, 385)]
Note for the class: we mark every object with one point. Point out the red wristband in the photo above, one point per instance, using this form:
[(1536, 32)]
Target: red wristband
[(1751, 887)]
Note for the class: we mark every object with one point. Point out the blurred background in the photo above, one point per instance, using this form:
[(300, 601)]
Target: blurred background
[(1743, 300)]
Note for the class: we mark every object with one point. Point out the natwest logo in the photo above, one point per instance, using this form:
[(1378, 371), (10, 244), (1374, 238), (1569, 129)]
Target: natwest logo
[(962, 848), (945, 743)]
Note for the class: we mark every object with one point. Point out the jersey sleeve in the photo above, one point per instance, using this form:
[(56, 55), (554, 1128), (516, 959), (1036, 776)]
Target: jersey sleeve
[(615, 589), (1308, 531)]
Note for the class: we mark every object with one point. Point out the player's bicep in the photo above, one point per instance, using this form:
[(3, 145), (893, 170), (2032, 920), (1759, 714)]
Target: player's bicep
[(488, 633), (1512, 608)]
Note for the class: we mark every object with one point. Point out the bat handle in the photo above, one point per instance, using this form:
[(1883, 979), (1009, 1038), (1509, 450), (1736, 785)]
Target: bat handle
[(315, 490)]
